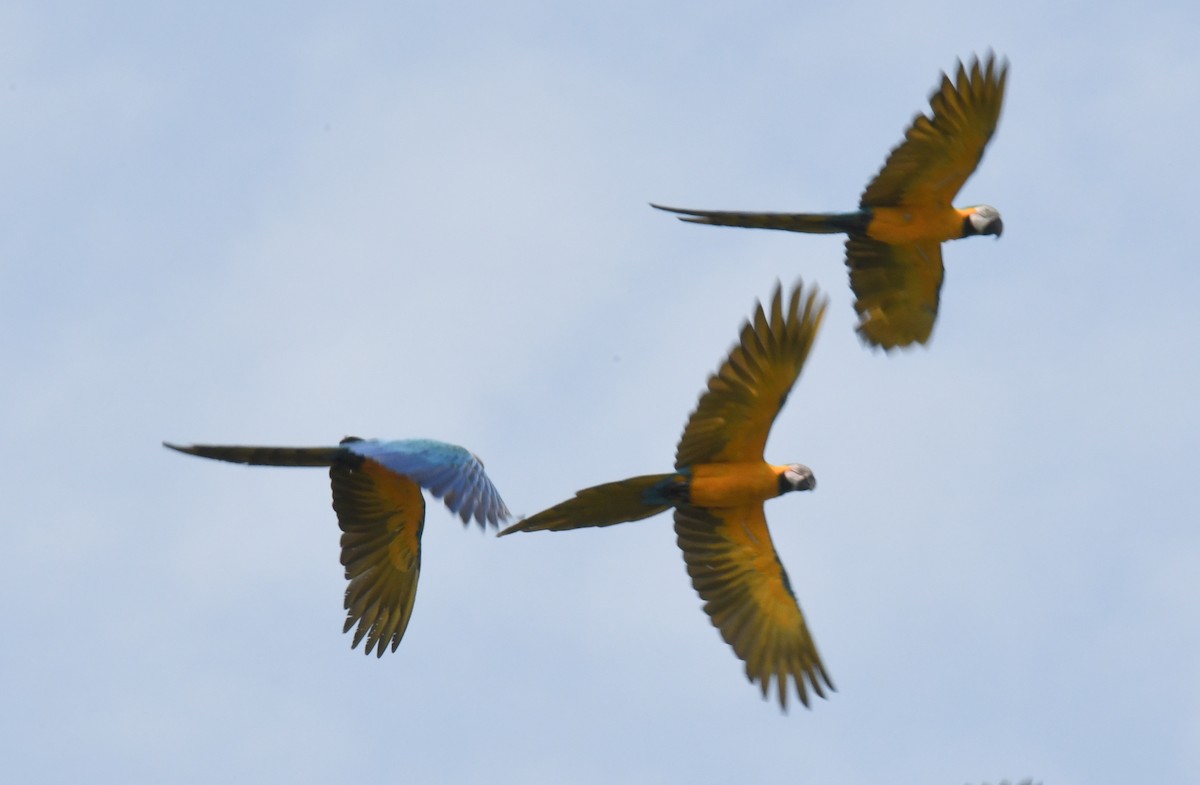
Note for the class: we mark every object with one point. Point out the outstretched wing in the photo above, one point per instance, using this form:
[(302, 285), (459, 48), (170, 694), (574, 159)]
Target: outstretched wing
[(451, 473), (735, 569), (896, 290), (381, 515), (938, 154), (735, 413)]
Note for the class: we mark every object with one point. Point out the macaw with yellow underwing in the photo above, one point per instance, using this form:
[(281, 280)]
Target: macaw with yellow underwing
[(377, 497), (894, 250), (718, 489)]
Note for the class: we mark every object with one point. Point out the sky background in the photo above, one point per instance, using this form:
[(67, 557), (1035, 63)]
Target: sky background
[(282, 223)]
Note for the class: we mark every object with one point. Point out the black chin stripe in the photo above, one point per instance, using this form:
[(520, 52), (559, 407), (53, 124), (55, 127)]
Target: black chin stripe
[(968, 227), (784, 485)]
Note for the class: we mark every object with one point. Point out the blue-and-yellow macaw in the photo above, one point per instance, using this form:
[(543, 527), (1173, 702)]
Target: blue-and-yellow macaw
[(718, 488), (377, 497), (894, 250)]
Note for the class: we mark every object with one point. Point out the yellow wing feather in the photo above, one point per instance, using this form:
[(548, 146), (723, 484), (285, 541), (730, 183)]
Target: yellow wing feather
[(735, 570), (939, 153), (735, 414), (382, 515), (896, 289)]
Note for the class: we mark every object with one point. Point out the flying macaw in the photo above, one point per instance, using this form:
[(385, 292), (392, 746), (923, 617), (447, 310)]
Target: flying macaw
[(718, 488), (894, 250), (377, 497)]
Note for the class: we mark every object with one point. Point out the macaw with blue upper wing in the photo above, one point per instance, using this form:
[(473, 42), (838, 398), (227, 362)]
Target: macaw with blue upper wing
[(894, 250), (718, 489), (377, 497)]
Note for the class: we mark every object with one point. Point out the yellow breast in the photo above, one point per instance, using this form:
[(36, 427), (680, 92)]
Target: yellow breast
[(734, 484), (903, 225)]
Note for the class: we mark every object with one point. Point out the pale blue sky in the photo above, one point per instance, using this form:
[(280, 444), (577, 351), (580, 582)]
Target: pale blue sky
[(291, 222)]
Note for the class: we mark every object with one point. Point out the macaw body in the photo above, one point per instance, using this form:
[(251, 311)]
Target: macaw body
[(890, 225), (894, 248), (381, 511), (908, 225), (736, 484), (717, 492)]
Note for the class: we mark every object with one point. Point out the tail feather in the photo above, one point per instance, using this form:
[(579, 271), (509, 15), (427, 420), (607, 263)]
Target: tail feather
[(809, 223), (602, 505), (266, 456)]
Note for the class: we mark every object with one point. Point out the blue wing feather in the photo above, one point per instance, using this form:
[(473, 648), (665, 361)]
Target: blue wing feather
[(449, 472)]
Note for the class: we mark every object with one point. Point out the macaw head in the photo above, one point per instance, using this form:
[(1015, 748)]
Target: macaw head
[(796, 477), (984, 219)]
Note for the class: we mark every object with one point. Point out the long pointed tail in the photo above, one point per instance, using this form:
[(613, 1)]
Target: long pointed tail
[(603, 505), (266, 456), (809, 223)]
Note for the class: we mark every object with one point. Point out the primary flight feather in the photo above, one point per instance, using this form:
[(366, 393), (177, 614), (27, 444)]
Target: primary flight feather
[(377, 497), (894, 250), (717, 490)]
